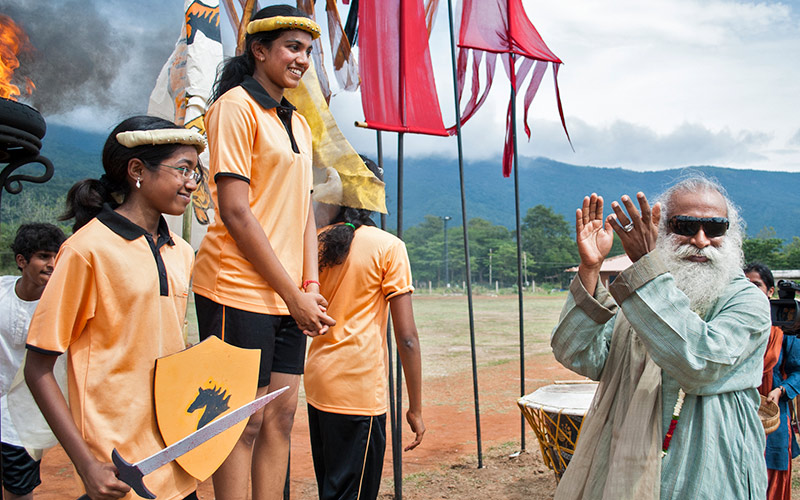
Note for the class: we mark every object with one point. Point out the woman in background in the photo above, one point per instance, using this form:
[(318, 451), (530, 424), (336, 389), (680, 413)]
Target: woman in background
[(780, 384)]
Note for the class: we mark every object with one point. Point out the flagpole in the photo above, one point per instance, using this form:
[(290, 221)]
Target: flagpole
[(393, 421), (397, 443), (466, 237), (519, 245)]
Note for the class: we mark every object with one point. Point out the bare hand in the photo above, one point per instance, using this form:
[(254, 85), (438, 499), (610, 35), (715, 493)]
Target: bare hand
[(101, 482), (309, 313), (417, 427), (593, 238), (774, 395), (637, 232)]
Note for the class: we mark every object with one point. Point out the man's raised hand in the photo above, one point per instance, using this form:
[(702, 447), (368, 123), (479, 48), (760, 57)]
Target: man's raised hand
[(594, 240), (593, 237), (637, 231)]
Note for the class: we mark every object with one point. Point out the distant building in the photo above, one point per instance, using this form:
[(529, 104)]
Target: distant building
[(611, 267), (786, 274)]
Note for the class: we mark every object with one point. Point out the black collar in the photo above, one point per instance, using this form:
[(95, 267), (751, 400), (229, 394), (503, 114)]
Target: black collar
[(130, 231), (262, 97)]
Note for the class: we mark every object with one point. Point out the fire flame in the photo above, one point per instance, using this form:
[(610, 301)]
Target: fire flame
[(13, 40)]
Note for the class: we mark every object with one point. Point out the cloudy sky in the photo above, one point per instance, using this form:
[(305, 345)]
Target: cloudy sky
[(645, 85)]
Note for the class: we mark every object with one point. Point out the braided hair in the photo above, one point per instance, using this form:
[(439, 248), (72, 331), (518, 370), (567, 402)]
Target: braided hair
[(334, 242)]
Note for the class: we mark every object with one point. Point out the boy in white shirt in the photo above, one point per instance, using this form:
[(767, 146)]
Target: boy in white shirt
[(35, 247)]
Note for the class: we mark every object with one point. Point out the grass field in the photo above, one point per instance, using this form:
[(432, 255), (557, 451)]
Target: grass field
[(443, 325)]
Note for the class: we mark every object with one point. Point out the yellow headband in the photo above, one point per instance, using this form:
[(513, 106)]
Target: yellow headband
[(134, 138), (284, 22)]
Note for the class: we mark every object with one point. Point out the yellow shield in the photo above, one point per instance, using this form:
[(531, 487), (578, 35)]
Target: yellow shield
[(197, 385)]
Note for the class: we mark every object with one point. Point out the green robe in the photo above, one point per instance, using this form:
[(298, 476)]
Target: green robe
[(717, 450)]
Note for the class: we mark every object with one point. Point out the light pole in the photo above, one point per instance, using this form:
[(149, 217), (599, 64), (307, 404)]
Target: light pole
[(525, 267), (490, 267), (446, 218)]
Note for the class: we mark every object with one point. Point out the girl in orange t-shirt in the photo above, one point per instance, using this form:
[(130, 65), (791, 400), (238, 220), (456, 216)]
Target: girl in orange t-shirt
[(256, 281), (364, 272), (115, 303)]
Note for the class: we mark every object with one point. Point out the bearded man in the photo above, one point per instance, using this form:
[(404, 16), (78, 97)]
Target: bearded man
[(681, 331)]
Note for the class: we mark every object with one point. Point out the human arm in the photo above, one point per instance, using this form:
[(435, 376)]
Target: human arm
[(594, 240), (641, 234), (719, 353), (790, 364), (405, 333), (311, 265), (581, 339), (99, 478), (233, 195)]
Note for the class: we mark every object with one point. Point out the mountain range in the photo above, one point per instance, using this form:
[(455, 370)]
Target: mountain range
[(766, 199)]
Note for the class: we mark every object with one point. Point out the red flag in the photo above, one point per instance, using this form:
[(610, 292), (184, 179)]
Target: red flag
[(398, 92), (491, 27)]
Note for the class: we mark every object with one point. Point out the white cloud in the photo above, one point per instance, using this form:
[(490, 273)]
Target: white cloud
[(645, 85)]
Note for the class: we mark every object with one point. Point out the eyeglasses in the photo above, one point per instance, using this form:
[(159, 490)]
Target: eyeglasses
[(187, 173), (686, 225)]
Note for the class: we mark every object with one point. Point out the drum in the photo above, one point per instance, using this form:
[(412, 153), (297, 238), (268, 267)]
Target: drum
[(555, 413)]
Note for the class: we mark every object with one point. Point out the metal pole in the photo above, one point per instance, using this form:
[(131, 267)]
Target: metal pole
[(397, 443), (466, 237), (490, 266), (393, 422), (519, 250), (446, 256)]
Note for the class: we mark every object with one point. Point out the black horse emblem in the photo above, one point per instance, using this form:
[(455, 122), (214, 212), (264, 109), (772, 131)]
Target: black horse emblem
[(213, 400)]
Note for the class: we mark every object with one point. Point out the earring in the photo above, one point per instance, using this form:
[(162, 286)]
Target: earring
[(138, 183)]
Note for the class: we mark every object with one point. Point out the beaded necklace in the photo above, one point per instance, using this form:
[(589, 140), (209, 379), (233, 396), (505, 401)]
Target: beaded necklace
[(676, 413)]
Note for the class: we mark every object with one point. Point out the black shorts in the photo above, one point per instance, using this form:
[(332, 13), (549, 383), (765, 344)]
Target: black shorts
[(20, 471), (282, 344), (348, 454)]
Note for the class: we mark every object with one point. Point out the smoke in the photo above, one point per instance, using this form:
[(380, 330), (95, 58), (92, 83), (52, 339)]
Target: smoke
[(102, 56)]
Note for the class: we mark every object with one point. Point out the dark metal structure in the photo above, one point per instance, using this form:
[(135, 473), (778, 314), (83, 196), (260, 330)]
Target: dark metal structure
[(21, 131)]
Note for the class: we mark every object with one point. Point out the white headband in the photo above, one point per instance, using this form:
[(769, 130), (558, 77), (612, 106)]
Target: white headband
[(134, 138)]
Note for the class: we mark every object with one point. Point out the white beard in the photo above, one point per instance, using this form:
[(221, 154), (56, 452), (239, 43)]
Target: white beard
[(702, 282)]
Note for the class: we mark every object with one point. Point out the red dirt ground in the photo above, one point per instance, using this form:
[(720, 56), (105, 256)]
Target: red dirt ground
[(445, 464), (447, 452)]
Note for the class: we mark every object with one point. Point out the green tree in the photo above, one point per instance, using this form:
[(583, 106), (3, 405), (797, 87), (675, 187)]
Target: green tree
[(425, 244), (504, 268), (484, 238), (768, 251), (791, 254), (548, 239)]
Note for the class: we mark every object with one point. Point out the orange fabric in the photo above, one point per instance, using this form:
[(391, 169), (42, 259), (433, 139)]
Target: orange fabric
[(771, 357), (780, 481), (251, 143), (103, 304), (346, 368)]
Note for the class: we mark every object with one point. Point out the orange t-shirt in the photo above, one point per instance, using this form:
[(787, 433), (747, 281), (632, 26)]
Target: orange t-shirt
[(250, 142), (346, 369), (115, 312)]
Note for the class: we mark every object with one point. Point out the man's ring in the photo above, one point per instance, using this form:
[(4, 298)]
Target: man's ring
[(628, 227)]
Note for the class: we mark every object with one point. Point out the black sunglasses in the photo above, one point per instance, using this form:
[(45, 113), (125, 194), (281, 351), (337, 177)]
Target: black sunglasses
[(686, 225)]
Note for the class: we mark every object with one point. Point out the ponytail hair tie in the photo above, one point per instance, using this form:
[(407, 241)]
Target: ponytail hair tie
[(348, 224)]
